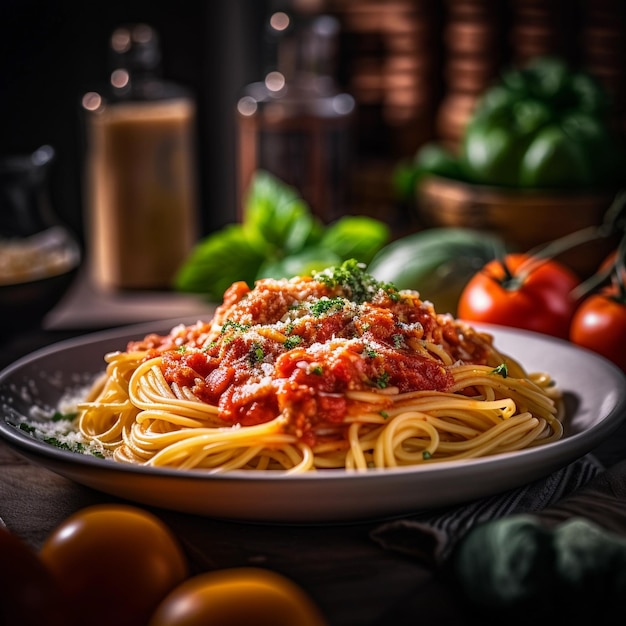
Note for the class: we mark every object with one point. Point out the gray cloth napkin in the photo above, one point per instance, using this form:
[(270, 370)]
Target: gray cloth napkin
[(554, 550), (431, 537)]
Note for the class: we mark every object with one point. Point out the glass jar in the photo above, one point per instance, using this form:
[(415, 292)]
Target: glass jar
[(39, 256), (140, 170)]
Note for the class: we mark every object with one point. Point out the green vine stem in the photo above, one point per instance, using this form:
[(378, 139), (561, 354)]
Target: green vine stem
[(614, 221), (615, 271)]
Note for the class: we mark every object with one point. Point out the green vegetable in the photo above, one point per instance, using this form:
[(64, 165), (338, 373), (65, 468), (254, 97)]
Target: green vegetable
[(554, 159), (355, 237), (517, 568), (277, 217), (278, 237), (437, 262), (219, 260), (552, 81), (544, 126)]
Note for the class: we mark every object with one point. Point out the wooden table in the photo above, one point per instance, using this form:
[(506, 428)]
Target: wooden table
[(354, 580)]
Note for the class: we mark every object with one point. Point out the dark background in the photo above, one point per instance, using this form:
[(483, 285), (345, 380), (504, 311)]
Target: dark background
[(53, 51)]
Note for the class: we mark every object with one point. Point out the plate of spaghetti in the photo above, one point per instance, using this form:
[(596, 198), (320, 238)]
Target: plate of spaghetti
[(326, 398)]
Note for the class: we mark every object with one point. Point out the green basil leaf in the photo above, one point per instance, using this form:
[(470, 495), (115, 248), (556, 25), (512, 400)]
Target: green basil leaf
[(277, 213), (355, 237), (219, 260)]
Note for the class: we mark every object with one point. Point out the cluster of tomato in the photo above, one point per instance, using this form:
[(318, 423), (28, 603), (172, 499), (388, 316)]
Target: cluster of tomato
[(119, 564), (543, 295)]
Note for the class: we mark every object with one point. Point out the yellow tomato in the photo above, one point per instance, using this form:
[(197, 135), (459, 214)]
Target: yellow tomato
[(115, 563), (238, 597)]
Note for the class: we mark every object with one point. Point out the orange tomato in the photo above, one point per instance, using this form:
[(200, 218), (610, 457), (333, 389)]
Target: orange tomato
[(115, 563), (238, 597)]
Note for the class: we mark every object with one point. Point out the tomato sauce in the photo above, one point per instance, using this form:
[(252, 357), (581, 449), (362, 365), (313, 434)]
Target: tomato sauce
[(296, 347)]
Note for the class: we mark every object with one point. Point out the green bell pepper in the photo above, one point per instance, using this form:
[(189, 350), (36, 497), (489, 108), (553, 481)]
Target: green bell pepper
[(554, 159), (495, 142), (542, 127)]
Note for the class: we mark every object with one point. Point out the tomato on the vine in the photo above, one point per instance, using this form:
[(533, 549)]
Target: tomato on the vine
[(521, 291), (599, 324)]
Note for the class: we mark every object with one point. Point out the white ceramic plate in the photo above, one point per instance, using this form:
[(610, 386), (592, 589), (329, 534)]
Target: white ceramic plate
[(596, 404)]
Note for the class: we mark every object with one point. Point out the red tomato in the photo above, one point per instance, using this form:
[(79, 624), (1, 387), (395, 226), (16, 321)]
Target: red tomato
[(115, 563), (600, 325), (539, 301), (29, 593), (240, 596)]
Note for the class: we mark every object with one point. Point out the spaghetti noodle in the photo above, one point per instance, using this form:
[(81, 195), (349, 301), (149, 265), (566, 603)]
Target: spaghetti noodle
[(335, 370)]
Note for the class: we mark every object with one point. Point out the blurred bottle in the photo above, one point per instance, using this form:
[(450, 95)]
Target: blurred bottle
[(296, 123), (141, 188)]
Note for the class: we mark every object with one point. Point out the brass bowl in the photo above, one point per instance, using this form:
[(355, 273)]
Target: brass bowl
[(523, 218)]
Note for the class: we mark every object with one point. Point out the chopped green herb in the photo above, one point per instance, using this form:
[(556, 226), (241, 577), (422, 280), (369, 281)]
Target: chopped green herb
[(76, 447), (292, 342), (324, 305), (426, 455), (383, 380), (384, 414), (316, 369), (398, 340), (182, 349), (356, 283), (501, 370), (370, 352), (61, 417), (234, 325), (257, 354)]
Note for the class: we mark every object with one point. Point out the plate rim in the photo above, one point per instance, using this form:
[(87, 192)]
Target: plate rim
[(572, 446)]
